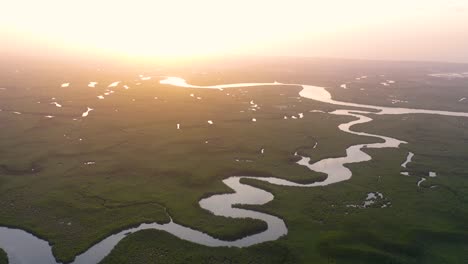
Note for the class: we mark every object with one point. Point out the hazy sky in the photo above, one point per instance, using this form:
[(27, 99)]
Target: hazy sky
[(366, 29)]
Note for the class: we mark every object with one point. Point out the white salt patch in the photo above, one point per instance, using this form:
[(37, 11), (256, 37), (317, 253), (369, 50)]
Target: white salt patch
[(385, 84), (56, 104), (199, 98), (92, 84), (192, 95), (243, 160), (49, 116), (316, 144), (301, 115), (65, 85), (432, 174), (17, 113), (145, 78), (254, 120), (210, 122), (106, 93), (450, 75), (462, 99), (404, 173), (370, 200), (344, 86), (262, 151), (85, 114), (100, 97), (371, 196), (178, 126), (394, 101), (421, 181), (316, 111), (293, 117), (89, 163), (285, 117), (408, 159), (126, 87), (114, 84)]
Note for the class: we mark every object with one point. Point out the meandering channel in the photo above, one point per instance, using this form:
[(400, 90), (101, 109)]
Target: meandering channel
[(23, 247)]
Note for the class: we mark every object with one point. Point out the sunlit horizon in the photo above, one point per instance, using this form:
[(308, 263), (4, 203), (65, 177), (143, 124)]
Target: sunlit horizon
[(432, 30)]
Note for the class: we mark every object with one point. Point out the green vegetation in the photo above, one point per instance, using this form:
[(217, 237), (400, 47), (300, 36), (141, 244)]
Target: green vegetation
[(3, 257), (153, 246), (143, 164), (145, 170), (423, 225)]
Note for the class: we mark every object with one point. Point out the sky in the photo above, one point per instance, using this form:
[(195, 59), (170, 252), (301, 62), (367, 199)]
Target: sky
[(426, 30)]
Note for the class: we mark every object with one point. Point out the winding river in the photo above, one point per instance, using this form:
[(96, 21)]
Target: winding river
[(23, 247)]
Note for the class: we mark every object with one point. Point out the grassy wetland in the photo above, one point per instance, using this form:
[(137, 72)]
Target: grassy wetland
[(147, 153)]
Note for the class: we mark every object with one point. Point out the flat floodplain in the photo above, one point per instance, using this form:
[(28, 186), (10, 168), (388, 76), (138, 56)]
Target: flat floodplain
[(148, 151)]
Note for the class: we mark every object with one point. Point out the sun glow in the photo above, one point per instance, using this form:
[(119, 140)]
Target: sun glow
[(180, 28), (141, 28)]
